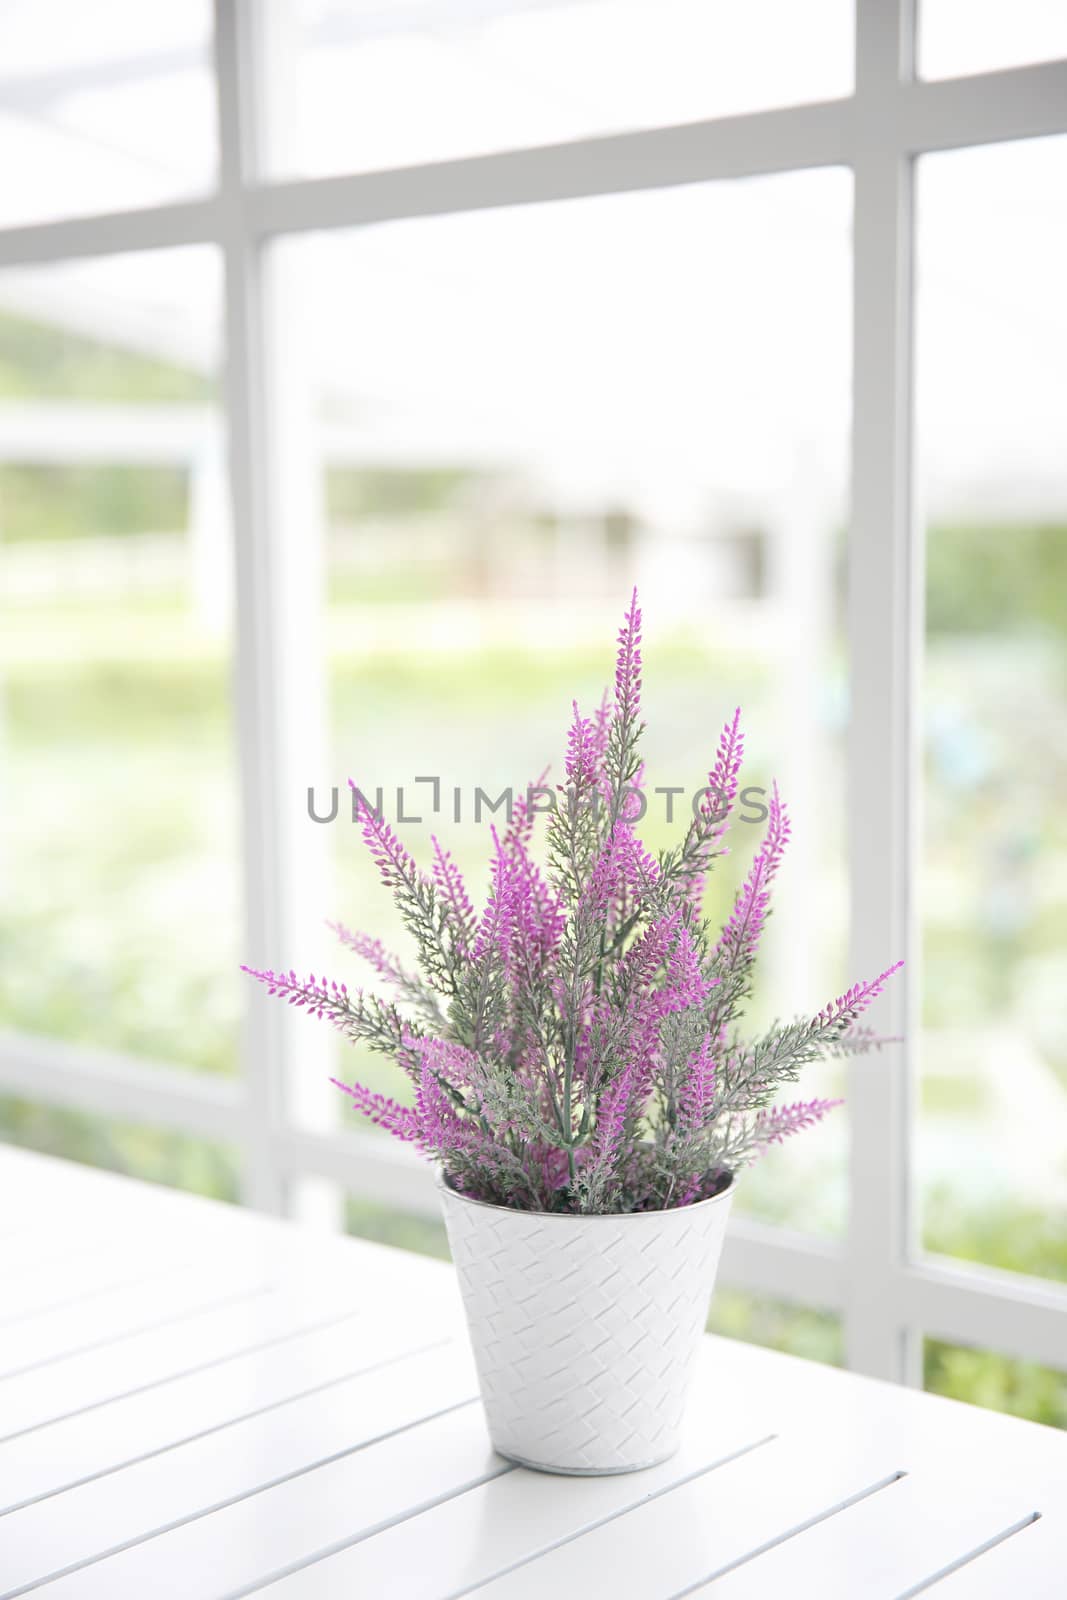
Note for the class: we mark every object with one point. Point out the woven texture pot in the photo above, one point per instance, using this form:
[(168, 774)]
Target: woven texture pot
[(585, 1329)]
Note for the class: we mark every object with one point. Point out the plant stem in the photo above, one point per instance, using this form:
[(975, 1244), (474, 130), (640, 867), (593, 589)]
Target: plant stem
[(568, 1128)]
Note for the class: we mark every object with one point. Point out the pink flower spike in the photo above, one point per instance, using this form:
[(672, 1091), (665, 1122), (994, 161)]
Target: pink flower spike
[(523, 817), (453, 895), (394, 863), (370, 951), (628, 666), (581, 762), (697, 1095), (777, 1122), (601, 729), (740, 938), (724, 775), (396, 1119), (849, 1005)]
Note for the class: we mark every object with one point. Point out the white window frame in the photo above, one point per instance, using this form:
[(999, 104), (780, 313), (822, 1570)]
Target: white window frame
[(887, 1293)]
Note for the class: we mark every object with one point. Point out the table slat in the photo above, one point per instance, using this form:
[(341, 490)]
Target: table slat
[(123, 1313), (467, 1540), (884, 1545), (46, 1287), (66, 1387), (64, 1453), (236, 1548), (103, 1515), (676, 1539), (1030, 1564)]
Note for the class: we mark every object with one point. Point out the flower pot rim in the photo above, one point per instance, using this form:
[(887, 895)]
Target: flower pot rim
[(443, 1184)]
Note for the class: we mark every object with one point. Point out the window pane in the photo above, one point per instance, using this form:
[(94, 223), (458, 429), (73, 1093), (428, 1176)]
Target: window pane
[(157, 1154), (799, 1330), (958, 37), (993, 457), (521, 414), (402, 1229), (118, 856), (363, 85), (104, 107), (986, 1379)]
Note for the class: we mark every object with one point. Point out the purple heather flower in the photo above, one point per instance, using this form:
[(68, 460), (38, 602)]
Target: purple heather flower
[(658, 976), (665, 944), (855, 1000), (624, 870), (685, 984), (394, 863), (717, 805), (495, 928), (628, 667), (551, 1165), (435, 1115), (697, 1093), (540, 915), (601, 729), (453, 1062), (453, 895), (318, 995), (776, 1123), (372, 951), (740, 938), (693, 1185), (523, 818), (612, 1112), (724, 775), (396, 1119), (581, 761)]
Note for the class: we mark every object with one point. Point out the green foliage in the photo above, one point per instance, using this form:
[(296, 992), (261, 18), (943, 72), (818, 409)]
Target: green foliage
[(985, 1379), (155, 1154), (53, 502), (398, 1228), (39, 361), (994, 579), (758, 1319), (352, 493), (1016, 1238)]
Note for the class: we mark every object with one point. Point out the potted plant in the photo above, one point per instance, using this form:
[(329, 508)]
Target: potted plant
[(579, 1080)]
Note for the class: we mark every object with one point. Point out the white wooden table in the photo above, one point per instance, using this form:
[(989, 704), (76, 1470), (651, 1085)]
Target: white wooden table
[(199, 1403)]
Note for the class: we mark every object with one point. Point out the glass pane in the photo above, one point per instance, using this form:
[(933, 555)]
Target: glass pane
[(425, 1235), (986, 1379), (993, 457), (155, 1154), (521, 414), (118, 854), (104, 107), (958, 37), (757, 1319), (363, 85)]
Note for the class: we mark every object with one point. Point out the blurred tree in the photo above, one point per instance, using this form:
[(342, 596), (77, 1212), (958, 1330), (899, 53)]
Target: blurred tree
[(39, 361), (54, 502), (996, 579)]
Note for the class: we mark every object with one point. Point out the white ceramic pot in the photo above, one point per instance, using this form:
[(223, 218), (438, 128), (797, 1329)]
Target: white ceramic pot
[(585, 1329)]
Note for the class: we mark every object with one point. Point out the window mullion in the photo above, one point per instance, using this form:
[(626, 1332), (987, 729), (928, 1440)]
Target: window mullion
[(258, 660), (280, 690), (884, 637)]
